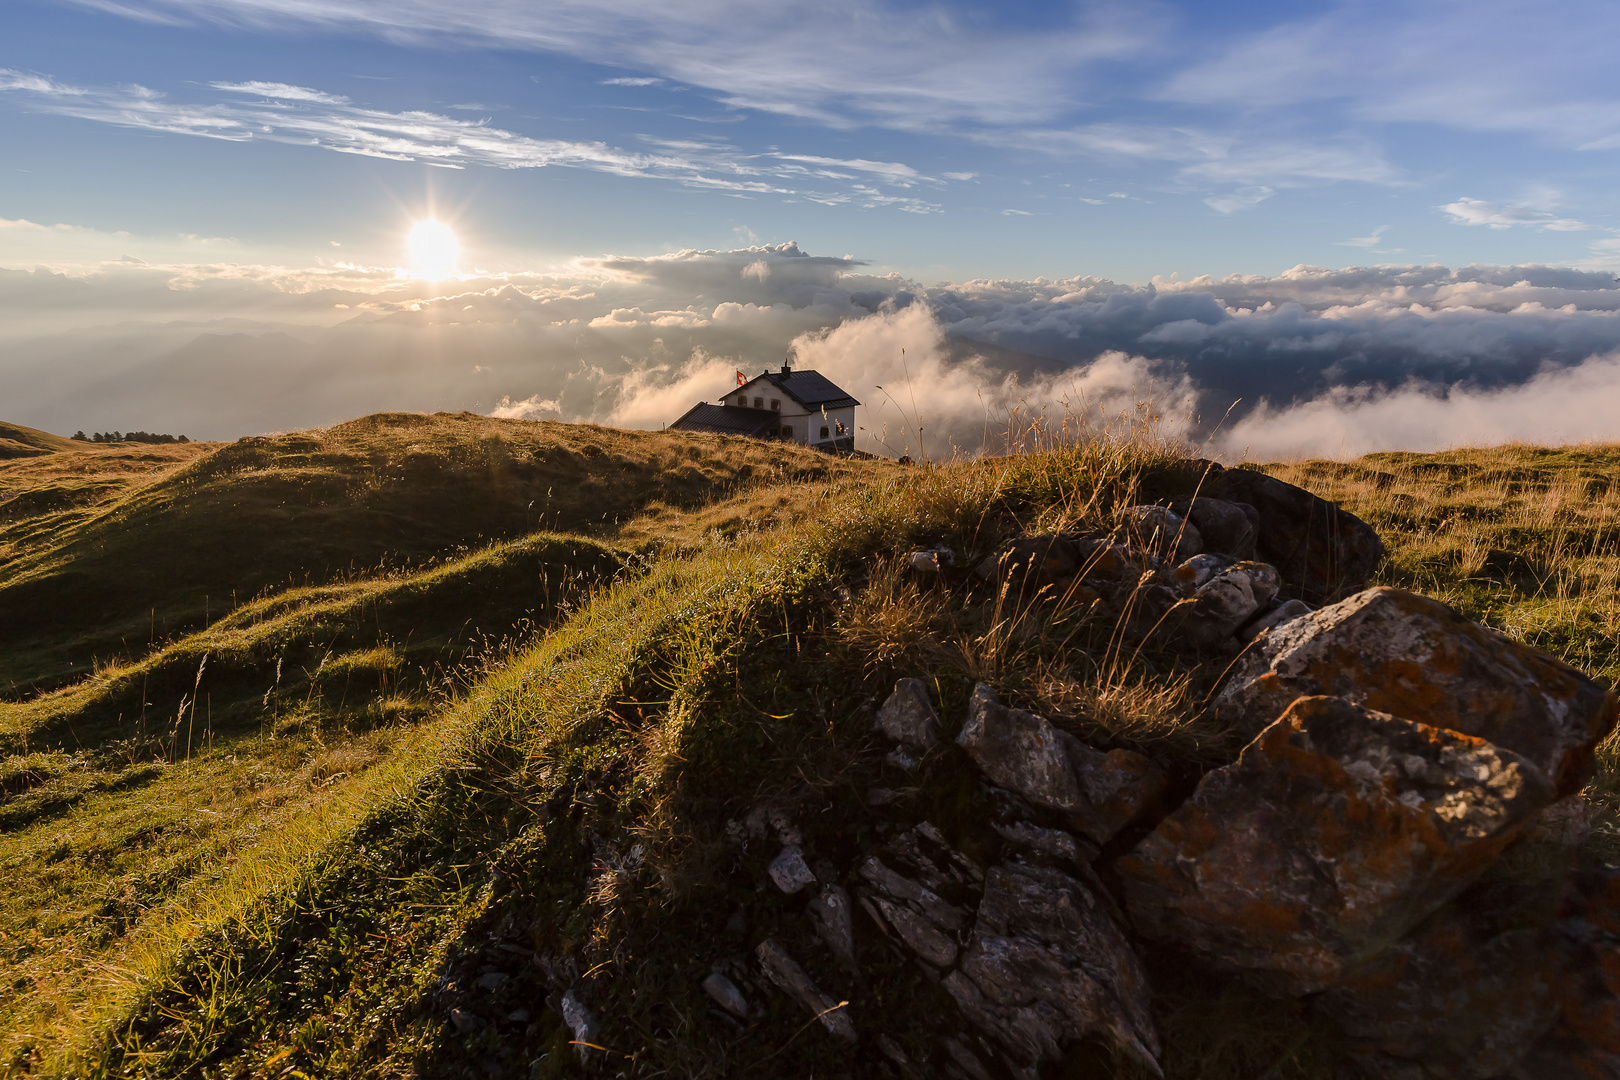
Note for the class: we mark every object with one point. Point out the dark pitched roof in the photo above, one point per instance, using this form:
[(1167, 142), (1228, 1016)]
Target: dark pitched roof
[(729, 420), (810, 389)]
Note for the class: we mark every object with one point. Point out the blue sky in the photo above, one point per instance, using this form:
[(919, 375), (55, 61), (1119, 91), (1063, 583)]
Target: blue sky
[(942, 141), (1340, 227)]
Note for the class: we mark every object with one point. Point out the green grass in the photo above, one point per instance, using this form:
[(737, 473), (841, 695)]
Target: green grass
[(530, 740)]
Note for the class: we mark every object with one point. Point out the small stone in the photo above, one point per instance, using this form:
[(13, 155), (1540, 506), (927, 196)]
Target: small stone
[(965, 1059), (492, 980), (464, 1021), (518, 1016), (581, 1023), (790, 978), (1160, 530), (1227, 527), (880, 796), (1049, 843), (830, 914), (1200, 568), (891, 1050), (786, 830), (726, 995), (931, 561), (908, 717), (789, 870), (902, 758), (931, 944)]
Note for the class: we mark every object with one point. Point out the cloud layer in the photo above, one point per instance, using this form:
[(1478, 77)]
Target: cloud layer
[(302, 116), (1310, 361)]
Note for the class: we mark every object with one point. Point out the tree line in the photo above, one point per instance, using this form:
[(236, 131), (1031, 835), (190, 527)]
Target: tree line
[(128, 436)]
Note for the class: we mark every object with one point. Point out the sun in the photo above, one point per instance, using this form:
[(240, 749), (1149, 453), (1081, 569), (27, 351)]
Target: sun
[(434, 249)]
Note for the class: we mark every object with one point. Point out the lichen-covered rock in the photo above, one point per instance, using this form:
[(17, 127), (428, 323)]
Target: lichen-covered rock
[(1160, 530), (1585, 1042), (908, 716), (1412, 656), (1023, 752), (1319, 548), (1046, 965), (1335, 832), (1473, 987)]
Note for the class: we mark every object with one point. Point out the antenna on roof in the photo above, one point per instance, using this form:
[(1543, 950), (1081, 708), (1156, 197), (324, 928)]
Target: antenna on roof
[(787, 364)]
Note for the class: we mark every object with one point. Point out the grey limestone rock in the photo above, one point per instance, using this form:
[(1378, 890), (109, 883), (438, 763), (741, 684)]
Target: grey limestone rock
[(829, 913), (785, 972), (1023, 752), (908, 717), (726, 995)]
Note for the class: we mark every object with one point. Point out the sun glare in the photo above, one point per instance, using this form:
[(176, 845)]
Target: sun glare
[(434, 249)]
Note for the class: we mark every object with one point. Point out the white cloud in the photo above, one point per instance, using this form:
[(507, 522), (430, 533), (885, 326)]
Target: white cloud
[(1558, 406), (1016, 213), (1242, 199), (222, 348), (838, 62), (1466, 211), (632, 81), (306, 117), (1364, 241), (282, 91)]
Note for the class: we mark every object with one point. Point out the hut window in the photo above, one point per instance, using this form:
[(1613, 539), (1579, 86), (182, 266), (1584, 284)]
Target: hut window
[(759, 403), (776, 404), (824, 432), (840, 427), (787, 431)]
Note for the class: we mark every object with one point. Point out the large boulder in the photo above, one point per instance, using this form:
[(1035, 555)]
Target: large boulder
[(1098, 793), (1336, 831), (1319, 548), (1046, 965), (1397, 652), (1585, 1043)]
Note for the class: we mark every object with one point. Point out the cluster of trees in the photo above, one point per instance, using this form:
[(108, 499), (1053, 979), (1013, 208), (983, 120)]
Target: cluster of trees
[(128, 436)]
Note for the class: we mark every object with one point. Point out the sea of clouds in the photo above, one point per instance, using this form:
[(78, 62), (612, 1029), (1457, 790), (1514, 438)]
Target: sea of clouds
[(1309, 362)]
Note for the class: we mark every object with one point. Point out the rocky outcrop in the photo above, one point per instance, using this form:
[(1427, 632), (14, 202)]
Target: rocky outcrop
[(1098, 793), (1409, 655), (1336, 832), (1315, 545), (1045, 966)]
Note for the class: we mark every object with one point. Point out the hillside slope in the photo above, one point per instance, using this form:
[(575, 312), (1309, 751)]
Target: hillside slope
[(17, 441), (150, 561), (417, 805)]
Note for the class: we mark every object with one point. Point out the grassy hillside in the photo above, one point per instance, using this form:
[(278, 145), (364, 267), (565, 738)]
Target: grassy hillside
[(96, 567), (451, 732), (17, 441)]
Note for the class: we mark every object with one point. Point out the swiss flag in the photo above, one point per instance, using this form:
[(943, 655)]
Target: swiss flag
[(742, 380)]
